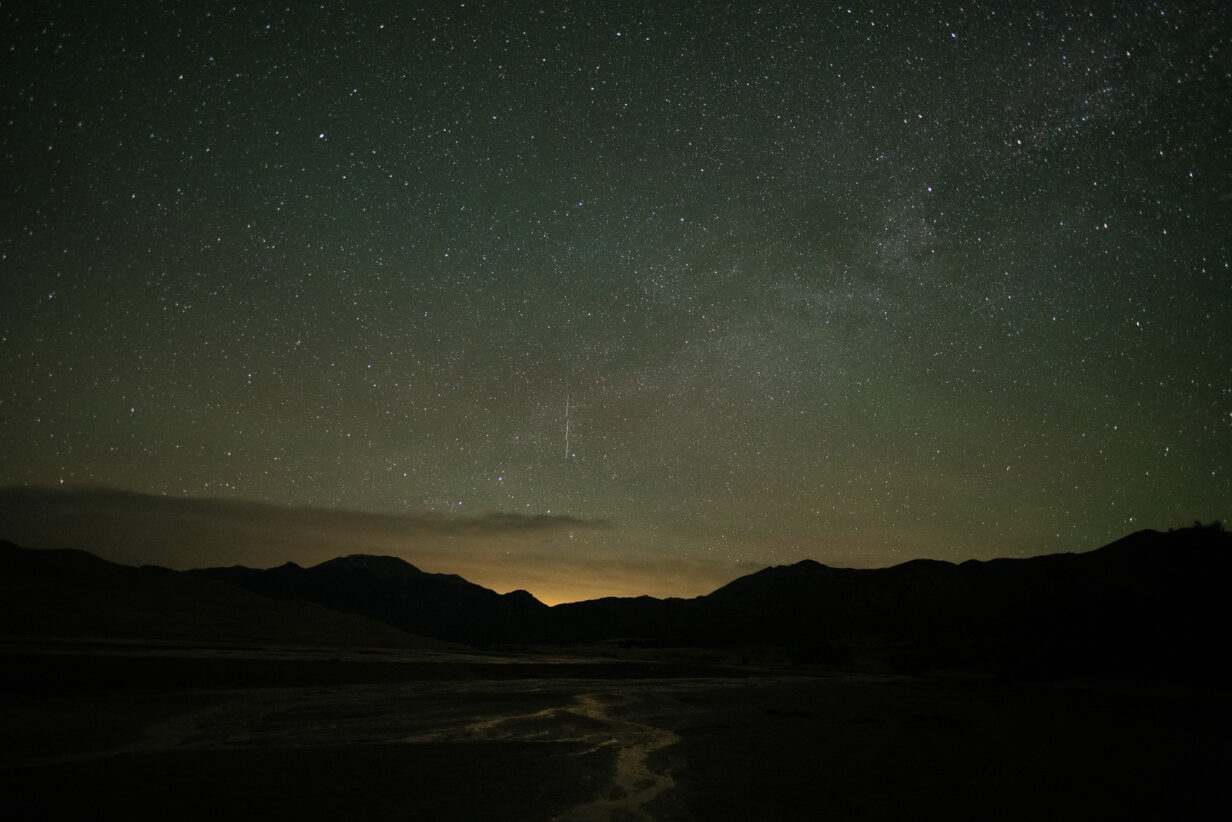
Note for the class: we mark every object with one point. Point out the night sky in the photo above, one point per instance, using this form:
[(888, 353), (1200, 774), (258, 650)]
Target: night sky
[(608, 297)]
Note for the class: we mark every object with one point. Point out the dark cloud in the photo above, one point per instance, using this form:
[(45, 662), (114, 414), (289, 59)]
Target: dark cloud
[(500, 522), (52, 506)]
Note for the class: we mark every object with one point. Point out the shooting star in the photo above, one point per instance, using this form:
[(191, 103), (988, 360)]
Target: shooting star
[(566, 423), (991, 301)]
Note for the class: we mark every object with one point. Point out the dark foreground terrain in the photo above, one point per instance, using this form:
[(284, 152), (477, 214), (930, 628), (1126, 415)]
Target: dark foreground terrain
[(184, 731)]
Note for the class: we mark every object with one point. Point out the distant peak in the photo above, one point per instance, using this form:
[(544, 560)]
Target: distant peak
[(924, 563), (803, 566), (371, 562), (523, 597)]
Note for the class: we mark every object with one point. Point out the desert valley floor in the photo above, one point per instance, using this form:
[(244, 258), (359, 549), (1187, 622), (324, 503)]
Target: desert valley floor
[(187, 732)]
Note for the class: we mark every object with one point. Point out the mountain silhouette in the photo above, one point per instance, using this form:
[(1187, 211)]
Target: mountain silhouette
[(392, 590), (1149, 600), (70, 593), (1146, 605)]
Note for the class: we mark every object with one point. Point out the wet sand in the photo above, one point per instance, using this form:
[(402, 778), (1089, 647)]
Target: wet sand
[(196, 734)]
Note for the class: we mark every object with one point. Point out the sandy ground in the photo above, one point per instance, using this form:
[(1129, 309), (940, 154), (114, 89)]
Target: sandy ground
[(148, 735)]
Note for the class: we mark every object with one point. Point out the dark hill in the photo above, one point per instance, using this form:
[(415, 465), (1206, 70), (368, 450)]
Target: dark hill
[(639, 620), (398, 593), (1149, 605), (66, 593)]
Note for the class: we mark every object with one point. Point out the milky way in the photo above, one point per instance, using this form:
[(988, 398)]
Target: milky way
[(855, 283)]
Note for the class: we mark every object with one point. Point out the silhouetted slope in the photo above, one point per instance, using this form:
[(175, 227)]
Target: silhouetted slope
[(398, 593), (640, 619), (67, 593), (1148, 604), (1141, 605)]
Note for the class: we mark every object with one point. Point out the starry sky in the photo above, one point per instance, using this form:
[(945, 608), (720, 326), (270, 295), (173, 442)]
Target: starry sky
[(613, 297)]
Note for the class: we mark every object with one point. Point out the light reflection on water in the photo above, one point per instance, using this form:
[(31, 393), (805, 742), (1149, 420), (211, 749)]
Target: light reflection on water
[(585, 717)]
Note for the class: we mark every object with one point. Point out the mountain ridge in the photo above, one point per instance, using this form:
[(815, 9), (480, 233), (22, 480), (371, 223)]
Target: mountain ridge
[(394, 591), (1132, 605), (67, 592)]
